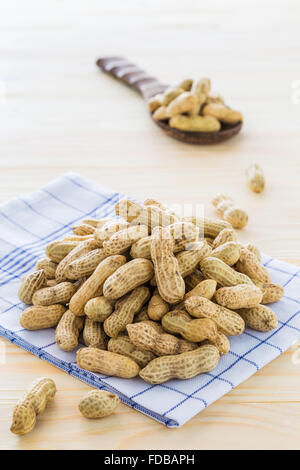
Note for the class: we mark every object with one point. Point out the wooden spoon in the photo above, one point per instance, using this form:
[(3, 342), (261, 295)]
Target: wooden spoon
[(148, 86)]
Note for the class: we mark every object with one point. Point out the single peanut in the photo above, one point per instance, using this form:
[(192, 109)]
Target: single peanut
[(98, 403), (208, 227), (248, 264), (120, 241), (229, 252), (48, 266), (214, 268), (99, 308), (190, 258), (240, 296), (107, 363), (59, 294), (255, 178), (181, 366), (157, 307), (83, 229), (181, 104), (85, 265), (67, 331), (39, 394), (30, 284), (170, 283), (56, 251), (230, 323), (260, 318), (195, 331), (200, 90), (226, 235), (206, 288), (93, 334), (91, 285), (122, 345), (39, 317), (271, 292), (195, 123), (237, 217), (145, 337), (80, 250), (222, 113), (141, 248), (127, 277), (125, 309)]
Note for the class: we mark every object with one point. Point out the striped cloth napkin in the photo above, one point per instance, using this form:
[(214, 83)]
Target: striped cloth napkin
[(30, 222)]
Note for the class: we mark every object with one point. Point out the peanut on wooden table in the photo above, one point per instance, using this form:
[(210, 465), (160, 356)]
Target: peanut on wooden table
[(98, 403), (255, 178), (35, 400), (155, 294)]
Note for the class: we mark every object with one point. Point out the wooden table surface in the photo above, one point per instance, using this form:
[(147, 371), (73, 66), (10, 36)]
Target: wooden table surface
[(59, 113)]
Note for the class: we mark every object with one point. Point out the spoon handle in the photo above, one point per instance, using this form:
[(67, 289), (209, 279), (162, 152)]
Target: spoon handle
[(128, 73)]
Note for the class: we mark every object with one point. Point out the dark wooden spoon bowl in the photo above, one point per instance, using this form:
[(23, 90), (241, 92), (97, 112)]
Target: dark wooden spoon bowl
[(148, 86)]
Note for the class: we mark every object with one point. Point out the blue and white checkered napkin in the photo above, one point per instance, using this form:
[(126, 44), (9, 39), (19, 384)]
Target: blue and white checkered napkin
[(29, 223)]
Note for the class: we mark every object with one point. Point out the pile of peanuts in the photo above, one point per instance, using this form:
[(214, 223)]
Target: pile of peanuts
[(154, 294), (189, 106)]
